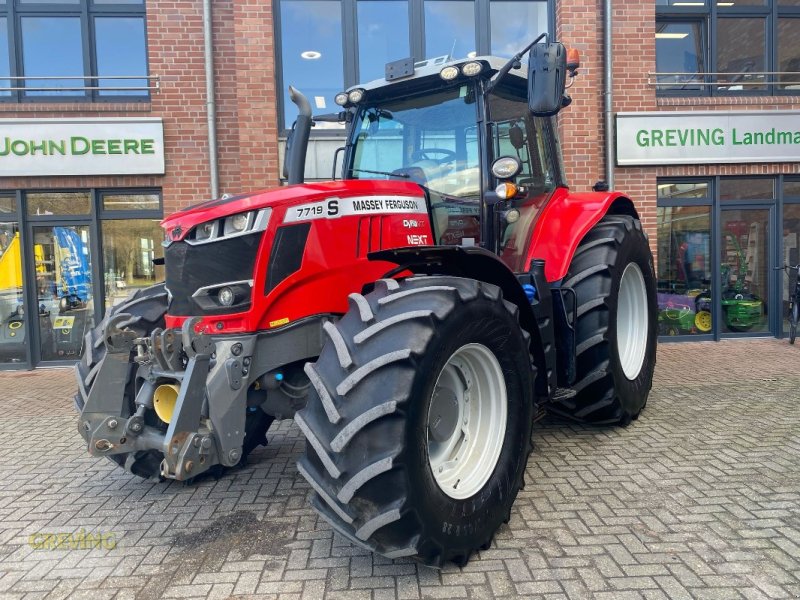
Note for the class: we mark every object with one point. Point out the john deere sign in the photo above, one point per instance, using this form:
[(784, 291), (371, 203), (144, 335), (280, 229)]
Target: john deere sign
[(132, 146), (668, 138)]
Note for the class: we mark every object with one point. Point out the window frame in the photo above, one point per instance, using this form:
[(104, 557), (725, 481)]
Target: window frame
[(416, 30), (86, 11), (709, 15)]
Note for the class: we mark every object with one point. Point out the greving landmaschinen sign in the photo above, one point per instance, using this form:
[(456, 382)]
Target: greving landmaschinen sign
[(668, 138)]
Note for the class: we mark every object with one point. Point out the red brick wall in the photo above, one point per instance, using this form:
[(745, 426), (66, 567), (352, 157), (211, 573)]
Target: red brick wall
[(246, 120), (581, 125)]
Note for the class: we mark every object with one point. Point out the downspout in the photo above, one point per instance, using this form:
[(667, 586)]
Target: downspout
[(608, 26), (211, 105)]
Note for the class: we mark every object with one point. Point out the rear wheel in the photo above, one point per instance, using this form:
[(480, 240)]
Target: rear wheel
[(418, 424), (616, 327)]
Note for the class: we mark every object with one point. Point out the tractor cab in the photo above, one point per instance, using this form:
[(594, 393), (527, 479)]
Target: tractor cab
[(476, 134)]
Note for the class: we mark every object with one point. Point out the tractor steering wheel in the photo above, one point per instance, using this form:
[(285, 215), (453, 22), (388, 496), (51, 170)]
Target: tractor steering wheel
[(423, 154)]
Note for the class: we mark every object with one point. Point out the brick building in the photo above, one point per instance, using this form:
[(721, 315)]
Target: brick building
[(104, 129)]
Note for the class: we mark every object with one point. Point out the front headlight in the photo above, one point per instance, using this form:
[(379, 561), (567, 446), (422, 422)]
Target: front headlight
[(205, 231), (235, 225)]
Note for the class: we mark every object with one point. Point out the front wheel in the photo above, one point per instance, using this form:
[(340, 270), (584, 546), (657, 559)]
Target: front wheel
[(794, 317), (616, 324), (418, 427)]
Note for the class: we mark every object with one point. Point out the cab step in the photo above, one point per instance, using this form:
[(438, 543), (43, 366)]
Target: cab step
[(561, 394)]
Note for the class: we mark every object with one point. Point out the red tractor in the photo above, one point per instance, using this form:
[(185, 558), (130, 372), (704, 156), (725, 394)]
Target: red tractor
[(414, 317)]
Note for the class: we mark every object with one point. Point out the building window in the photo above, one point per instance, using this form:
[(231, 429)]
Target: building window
[(382, 35), (5, 65), (509, 36), (680, 54), (327, 46), (742, 47), (789, 52), (450, 28), (76, 50), (311, 53)]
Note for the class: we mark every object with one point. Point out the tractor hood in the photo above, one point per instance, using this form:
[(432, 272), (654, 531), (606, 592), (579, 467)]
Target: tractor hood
[(178, 225)]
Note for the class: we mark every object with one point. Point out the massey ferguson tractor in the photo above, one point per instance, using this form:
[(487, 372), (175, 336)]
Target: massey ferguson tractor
[(413, 317)]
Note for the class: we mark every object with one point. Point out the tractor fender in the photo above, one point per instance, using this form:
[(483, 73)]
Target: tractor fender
[(473, 263), (565, 220)]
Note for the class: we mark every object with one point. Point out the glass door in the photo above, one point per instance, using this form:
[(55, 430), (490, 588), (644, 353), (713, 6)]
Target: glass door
[(64, 298), (744, 271)]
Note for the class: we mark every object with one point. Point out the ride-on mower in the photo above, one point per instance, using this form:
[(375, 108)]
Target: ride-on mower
[(414, 317)]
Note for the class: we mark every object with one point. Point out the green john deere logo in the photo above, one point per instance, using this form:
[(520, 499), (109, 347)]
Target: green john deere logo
[(75, 146)]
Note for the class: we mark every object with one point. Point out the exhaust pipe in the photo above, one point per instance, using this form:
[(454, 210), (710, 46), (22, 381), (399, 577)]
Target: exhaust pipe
[(294, 165)]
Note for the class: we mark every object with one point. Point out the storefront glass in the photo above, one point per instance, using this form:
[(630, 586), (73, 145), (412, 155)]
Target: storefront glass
[(64, 295), (12, 329), (791, 252), (129, 247), (58, 203), (684, 270), (746, 188)]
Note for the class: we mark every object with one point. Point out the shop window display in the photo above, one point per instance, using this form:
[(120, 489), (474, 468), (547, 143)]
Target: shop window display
[(129, 247), (684, 270)]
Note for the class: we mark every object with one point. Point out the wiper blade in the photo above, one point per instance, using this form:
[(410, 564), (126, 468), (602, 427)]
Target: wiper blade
[(403, 175)]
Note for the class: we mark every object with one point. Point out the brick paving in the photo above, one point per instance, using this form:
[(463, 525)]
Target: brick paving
[(700, 498)]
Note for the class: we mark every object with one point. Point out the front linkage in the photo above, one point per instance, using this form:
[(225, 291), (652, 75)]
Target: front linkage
[(189, 362)]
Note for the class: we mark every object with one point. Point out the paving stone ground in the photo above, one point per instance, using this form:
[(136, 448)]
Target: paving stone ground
[(699, 498)]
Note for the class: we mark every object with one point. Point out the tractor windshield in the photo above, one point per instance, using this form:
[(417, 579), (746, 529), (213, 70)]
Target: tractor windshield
[(431, 139)]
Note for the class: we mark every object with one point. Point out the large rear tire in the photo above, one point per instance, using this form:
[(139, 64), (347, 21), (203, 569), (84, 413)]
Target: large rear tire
[(147, 307), (419, 420), (616, 327)]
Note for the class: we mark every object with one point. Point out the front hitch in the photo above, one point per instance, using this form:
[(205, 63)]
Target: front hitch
[(186, 359)]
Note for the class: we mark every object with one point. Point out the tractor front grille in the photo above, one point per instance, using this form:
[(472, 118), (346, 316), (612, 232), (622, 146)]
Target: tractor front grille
[(191, 267)]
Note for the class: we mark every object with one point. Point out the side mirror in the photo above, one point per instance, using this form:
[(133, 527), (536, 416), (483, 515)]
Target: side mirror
[(547, 78)]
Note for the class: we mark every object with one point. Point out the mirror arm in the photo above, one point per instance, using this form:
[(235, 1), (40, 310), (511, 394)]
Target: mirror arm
[(515, 61)]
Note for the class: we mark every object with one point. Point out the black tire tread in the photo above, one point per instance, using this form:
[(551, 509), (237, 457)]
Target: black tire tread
[(344, 477), (590, 274)]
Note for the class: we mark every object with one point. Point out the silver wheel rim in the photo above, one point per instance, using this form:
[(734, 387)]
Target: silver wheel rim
[(632, 321), (467, 421)]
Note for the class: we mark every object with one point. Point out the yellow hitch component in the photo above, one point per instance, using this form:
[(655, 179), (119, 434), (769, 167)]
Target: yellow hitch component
[(164, 399)]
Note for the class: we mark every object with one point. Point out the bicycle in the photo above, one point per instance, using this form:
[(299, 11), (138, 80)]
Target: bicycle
[(794, 299)]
